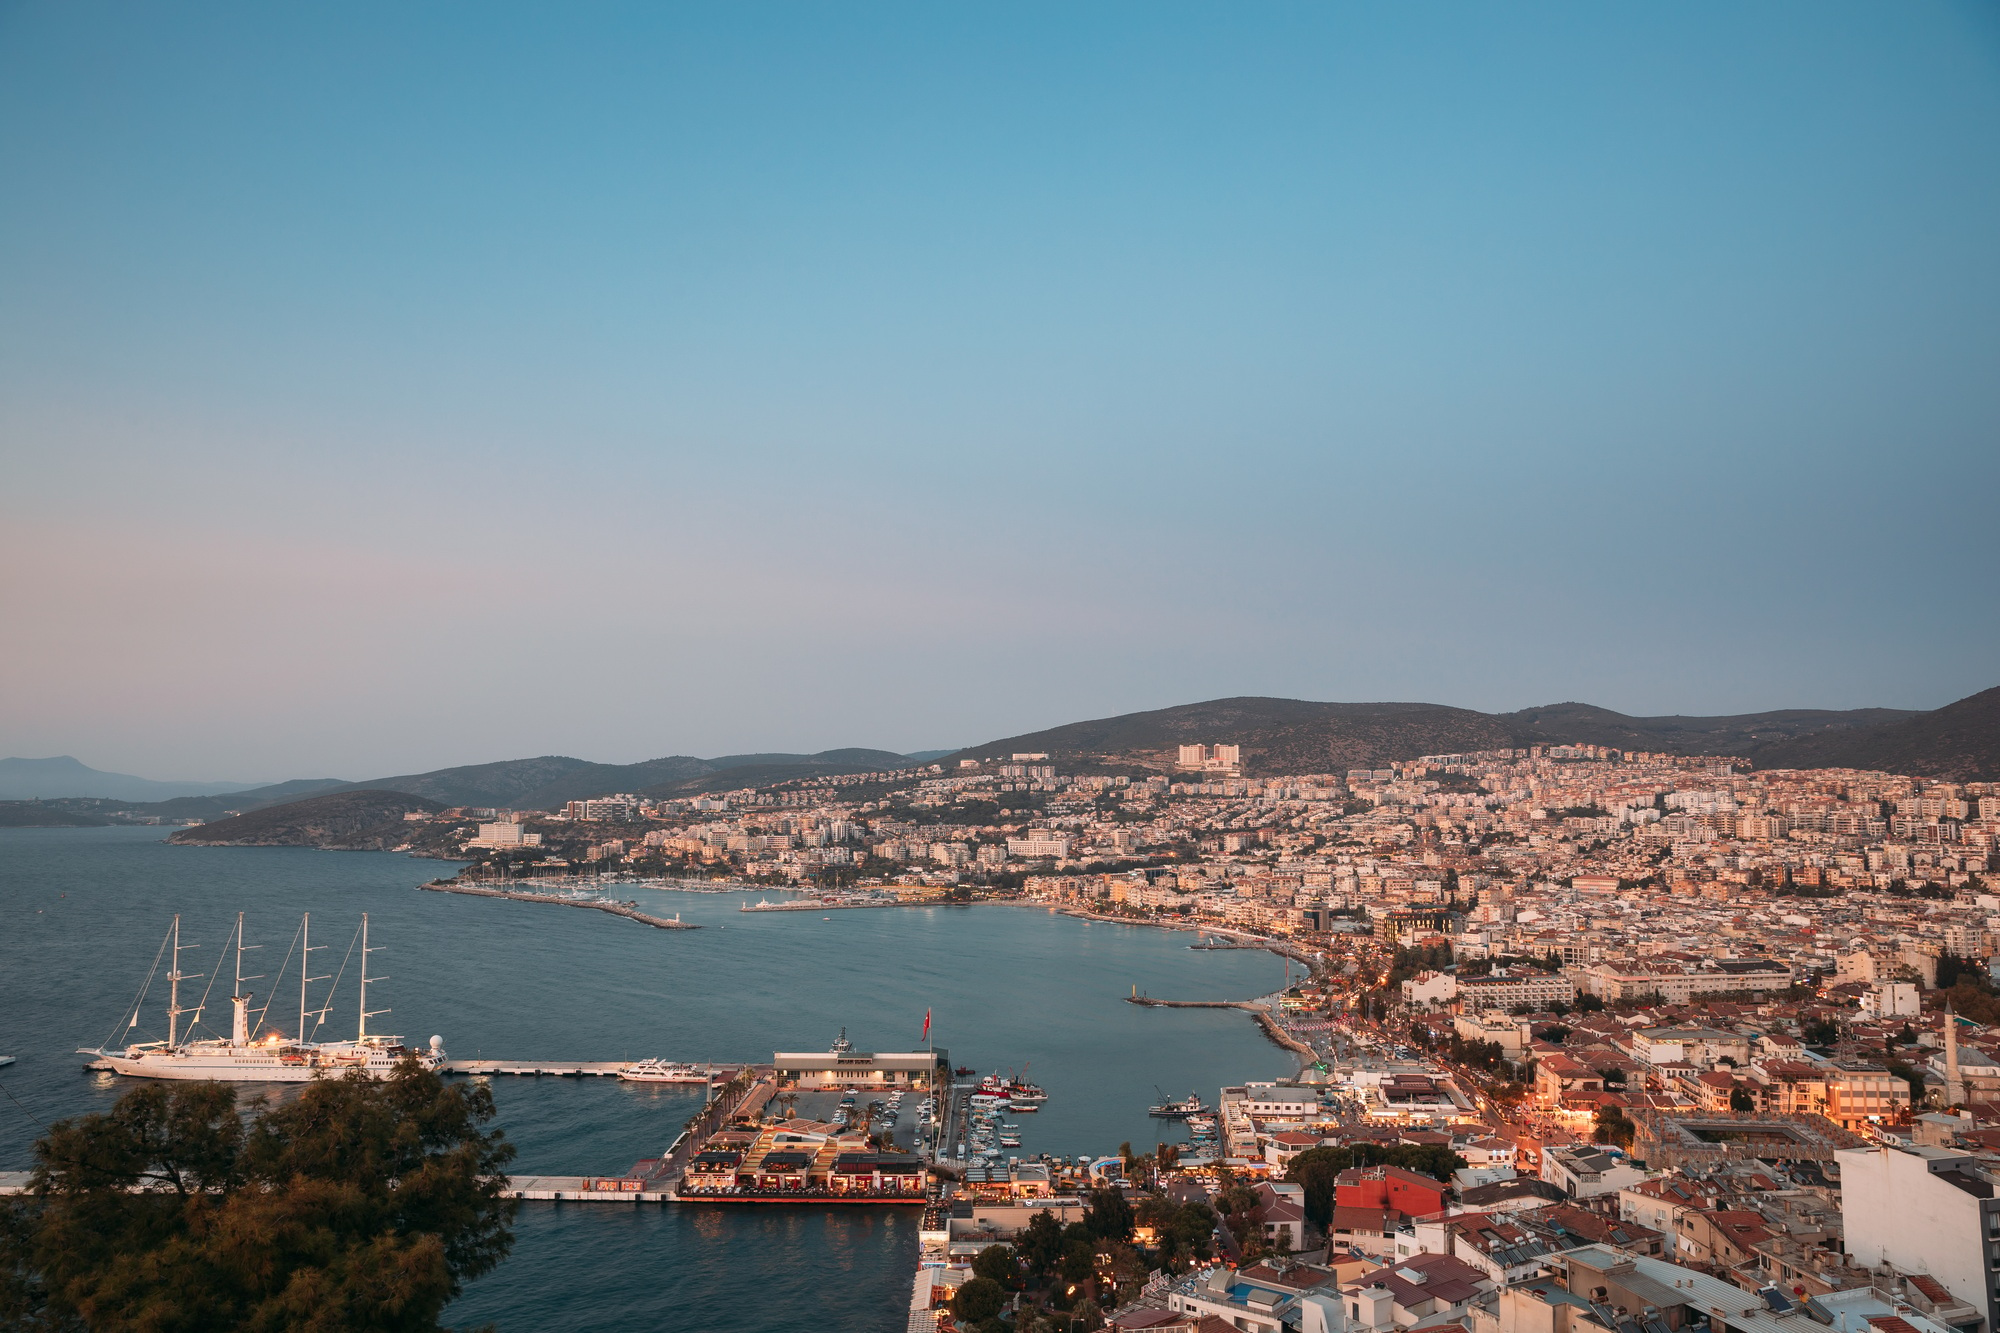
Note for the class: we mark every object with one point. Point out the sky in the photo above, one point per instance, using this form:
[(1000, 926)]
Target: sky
[(385, 387)]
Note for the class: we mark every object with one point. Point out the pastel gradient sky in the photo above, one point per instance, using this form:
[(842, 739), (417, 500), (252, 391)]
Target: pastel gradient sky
[(387, 386)]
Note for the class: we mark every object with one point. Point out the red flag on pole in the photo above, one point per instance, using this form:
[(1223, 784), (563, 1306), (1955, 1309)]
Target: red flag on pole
[(927, 1026)]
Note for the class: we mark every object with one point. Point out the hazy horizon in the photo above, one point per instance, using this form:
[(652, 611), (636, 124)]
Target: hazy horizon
[(386, 389)]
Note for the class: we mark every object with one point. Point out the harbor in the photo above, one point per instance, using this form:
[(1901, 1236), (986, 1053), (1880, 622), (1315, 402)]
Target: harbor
[(573, 994)]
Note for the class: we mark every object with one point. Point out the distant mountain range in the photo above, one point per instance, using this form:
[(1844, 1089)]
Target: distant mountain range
[(1959, 742), (545, 782), (30, 779)]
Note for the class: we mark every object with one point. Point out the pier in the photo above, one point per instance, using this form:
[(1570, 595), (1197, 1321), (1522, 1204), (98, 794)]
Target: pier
[(723, 1070), (558, 1068), (599, 904), (627, 1190)]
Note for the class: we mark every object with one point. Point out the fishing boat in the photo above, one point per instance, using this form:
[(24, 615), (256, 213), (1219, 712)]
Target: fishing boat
[(1011, 1089), (243, 1057), (1173, 1110), (665, 1071)]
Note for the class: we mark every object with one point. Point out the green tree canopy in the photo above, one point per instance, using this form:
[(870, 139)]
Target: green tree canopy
[(998, 1263), (1110, 1215), (360, 1204), (1040, 1243), (980, 1298), (1317, 1169)]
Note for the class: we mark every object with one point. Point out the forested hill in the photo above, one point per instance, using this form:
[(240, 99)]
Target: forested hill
[(1300, 736), (1959, 742), (363, 821)]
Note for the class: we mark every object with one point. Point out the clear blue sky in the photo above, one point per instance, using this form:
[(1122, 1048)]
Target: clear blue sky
[(390, 386)]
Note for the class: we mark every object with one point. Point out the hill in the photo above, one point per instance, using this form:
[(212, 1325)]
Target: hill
[(1301, 736), (1959, 742), (364, 820), (1277, 735), (240, 802), (547, 782), (36, 814), (1584, 724), (64, 775)]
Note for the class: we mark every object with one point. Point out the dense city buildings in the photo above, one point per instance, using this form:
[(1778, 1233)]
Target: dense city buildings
[(1582, 1034)]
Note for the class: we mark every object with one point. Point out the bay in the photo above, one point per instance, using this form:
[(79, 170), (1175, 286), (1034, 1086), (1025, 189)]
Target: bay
[(83, 911)]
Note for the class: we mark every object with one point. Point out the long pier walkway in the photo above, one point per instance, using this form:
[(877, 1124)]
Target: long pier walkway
[(596, 904)]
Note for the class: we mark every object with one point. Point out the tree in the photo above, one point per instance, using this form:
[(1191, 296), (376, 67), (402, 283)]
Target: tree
[(978, 1299), (1741, 1100), (1079, 1257), (1613, 1127), (1110, 1215), (360, 1204), (1315, 1170), (1040, 1244), (998, 1263)]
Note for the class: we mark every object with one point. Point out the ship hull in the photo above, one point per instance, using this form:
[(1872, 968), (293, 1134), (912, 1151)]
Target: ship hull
[(248, 1068)]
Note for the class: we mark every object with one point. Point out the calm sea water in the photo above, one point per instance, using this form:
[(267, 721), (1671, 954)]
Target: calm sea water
[(82, 912)]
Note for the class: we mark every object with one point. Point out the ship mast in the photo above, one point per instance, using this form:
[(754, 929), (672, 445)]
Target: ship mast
[(174, 985), (305, 967), (361, 1029), (239, 1025), (174, 978)]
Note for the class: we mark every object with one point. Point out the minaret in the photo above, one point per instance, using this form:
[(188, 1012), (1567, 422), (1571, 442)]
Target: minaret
[(1954, 1086)]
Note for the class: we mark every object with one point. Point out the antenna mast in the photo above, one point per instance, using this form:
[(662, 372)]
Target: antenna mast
[(361, 1029)]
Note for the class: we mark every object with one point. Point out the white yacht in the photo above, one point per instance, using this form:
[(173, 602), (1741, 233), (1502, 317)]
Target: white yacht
[(244, 1056), (666, 1071)]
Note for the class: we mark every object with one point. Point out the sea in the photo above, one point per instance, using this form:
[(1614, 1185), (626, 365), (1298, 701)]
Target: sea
[(83, 913)]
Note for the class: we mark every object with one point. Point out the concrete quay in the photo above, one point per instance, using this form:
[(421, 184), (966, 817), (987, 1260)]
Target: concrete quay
[(588, 1189), (559, 900), (558, 1068)]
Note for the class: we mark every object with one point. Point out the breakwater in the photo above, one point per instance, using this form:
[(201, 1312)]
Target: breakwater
[(596, 904), (1257, 1009)]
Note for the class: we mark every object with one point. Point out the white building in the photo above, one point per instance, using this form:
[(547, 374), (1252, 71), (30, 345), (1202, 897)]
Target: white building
[(504, 835), (1037, 843), (1538, 990), (1891, 999), (1924, 1210), (1582, 1171), (1430, 988)]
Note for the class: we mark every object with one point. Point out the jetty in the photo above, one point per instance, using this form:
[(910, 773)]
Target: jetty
[(627, 1190), (1257, 1009), (582, 1069), (628, 910), (534, 1068), (820, 905)]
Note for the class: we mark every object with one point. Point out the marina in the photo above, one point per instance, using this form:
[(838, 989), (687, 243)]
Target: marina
[(571, 994)]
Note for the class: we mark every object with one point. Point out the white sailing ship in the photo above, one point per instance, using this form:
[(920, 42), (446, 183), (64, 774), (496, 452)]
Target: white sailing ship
[(245, 1056)]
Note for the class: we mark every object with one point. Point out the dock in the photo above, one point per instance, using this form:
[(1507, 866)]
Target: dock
[(627, 1190), (626, 910), (556, 1068), (720, 1069)]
